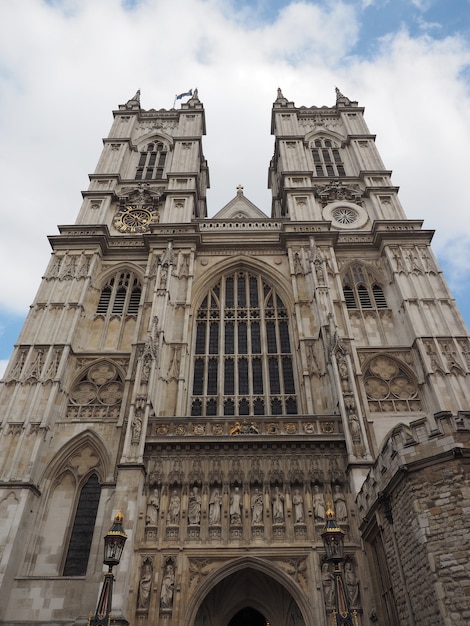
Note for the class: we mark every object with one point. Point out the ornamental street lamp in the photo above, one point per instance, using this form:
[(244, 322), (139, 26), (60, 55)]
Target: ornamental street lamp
[(114, 542), (333, 540)]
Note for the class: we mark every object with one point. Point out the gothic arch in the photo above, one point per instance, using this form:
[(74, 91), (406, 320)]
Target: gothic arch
[(227, 581), (362, 286), (152, 136), (64, 478), (244, 344), (88, 366), (62, 460), (109, 272), (376, 274), (97, 391), (390, 385), (241, 263), (326, 133)]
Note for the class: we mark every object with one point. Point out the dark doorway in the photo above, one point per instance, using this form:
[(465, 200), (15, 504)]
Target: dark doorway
[(248, 617)]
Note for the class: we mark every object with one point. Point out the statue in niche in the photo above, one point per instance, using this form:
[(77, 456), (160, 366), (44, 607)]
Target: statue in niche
[(168, 585), (318, 504), (328, 583), (235, 507), (174, 368), (174, 508), (163, 277), (343, 371), (298, 503), (297, 264), (339, 500), (278, 506), (352, 584), (355, 428), (137, 426), (145, 586), (153, 505), (194, 508), (215, 504), (257, 507), (184, 271), (319, 272)]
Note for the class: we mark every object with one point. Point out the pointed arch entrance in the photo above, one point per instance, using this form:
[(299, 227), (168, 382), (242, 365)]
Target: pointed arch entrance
[(248, 617), (249, 597)]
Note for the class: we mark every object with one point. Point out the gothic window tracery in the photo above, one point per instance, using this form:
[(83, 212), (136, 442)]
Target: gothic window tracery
[(243, 361), (120, 295), (97, 394), (327, 158), (389, 387), (151, 162), (361, 290)]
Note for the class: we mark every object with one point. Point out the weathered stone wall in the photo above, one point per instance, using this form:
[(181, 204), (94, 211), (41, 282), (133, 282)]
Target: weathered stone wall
[(418, 494)]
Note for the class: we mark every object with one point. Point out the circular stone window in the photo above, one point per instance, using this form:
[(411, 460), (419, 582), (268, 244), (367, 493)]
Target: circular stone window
[(344, 215)]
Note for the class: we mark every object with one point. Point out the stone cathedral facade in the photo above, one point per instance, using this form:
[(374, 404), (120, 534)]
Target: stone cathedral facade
[(222, 381)]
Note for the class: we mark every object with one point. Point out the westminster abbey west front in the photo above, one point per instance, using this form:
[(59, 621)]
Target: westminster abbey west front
[(223, 382)]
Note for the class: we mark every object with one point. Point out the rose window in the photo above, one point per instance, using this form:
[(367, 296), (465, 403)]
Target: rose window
[(344, 215)]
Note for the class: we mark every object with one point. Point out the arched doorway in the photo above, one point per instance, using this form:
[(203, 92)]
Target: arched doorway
[(248, 617), (249, 597)]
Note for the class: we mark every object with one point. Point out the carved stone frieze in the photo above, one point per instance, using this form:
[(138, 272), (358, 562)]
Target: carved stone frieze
[(337, 190), (69, 266)]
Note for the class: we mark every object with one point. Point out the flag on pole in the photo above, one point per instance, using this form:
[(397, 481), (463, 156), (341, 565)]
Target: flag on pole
[(183, 95)]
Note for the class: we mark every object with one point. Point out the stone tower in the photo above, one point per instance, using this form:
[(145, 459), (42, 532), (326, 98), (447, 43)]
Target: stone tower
[(222, 381)]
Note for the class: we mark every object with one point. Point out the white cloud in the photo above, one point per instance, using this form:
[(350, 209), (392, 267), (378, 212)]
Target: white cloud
[(65, 67)]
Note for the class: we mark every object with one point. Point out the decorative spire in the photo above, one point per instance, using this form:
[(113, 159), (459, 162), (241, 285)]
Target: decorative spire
[(239, 190), (134, 102), (280, 97), (341, 99)]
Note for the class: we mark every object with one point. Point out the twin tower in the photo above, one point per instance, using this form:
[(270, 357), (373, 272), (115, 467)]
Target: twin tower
[(224, 382)]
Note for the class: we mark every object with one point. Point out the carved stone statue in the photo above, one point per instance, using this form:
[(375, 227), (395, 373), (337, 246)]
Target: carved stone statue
[(145, 585), (153, 504), (298, 503), (318, 504), (215, 504), (136, 427), (194, 508), (168, 585), (278, 506), (352, 584), (328, 581), (257, 507), (339, 500), (235, 507), (174, 508)]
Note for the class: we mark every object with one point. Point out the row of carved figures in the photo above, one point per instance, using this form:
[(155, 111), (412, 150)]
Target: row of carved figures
[(168, 583), (145, 586), (277, 502)]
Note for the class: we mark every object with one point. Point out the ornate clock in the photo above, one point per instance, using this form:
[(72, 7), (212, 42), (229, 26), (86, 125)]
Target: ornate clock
[(135, 218)]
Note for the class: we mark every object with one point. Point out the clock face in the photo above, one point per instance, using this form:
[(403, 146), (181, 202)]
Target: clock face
[(135, 218)]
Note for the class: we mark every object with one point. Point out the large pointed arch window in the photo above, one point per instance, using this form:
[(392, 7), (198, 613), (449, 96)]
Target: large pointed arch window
[(243, 360), (327, 159), (151, 162), (120, 295), (361, 290), (76, 560)]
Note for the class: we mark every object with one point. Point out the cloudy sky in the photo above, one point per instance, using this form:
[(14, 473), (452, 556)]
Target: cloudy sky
[(66, 64)]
